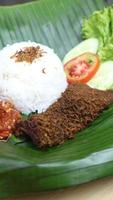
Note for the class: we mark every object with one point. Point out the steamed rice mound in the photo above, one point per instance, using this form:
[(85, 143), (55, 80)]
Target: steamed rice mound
[(31, 86)]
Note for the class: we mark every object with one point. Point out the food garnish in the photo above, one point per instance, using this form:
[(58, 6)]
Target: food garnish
[(9, 116), (78, 106), (100, 26), (89, 45), (82, 68), (103, 79), (28, 54), (97, 29)]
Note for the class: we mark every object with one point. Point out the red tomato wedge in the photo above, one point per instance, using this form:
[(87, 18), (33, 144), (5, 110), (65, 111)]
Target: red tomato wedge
[(82, 68)]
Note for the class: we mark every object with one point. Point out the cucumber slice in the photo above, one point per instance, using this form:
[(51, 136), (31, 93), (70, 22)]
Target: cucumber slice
[(89, 45), (103, 79)]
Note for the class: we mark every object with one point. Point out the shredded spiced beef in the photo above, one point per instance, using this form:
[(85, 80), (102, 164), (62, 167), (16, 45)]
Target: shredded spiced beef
[(28, 54), (78, 106)]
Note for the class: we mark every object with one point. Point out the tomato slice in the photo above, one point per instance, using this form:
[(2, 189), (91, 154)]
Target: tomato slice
[(82, 68)]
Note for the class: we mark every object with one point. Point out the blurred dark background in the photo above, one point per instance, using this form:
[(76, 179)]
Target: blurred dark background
[(5, 2)]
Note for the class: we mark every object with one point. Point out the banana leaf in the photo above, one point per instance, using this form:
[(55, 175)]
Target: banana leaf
[(23, 168)]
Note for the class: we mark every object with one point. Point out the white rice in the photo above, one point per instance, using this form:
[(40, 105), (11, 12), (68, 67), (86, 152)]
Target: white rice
[(25, 85)]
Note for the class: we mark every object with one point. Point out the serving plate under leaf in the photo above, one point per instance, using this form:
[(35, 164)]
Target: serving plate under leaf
[(23, 168)]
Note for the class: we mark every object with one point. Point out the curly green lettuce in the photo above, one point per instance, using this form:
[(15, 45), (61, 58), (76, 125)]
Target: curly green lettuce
[(100, 26)]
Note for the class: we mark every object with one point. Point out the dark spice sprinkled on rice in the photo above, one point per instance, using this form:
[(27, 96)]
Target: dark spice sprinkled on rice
[(28, 54)]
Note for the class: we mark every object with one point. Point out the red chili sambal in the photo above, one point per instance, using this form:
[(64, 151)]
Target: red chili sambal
[(8, 117)]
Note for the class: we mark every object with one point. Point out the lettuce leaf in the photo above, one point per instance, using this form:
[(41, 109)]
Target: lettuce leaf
[(100, 25), (106, 52)]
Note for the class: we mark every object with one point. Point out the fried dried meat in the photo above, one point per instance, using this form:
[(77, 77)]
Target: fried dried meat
[(78, 106)]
